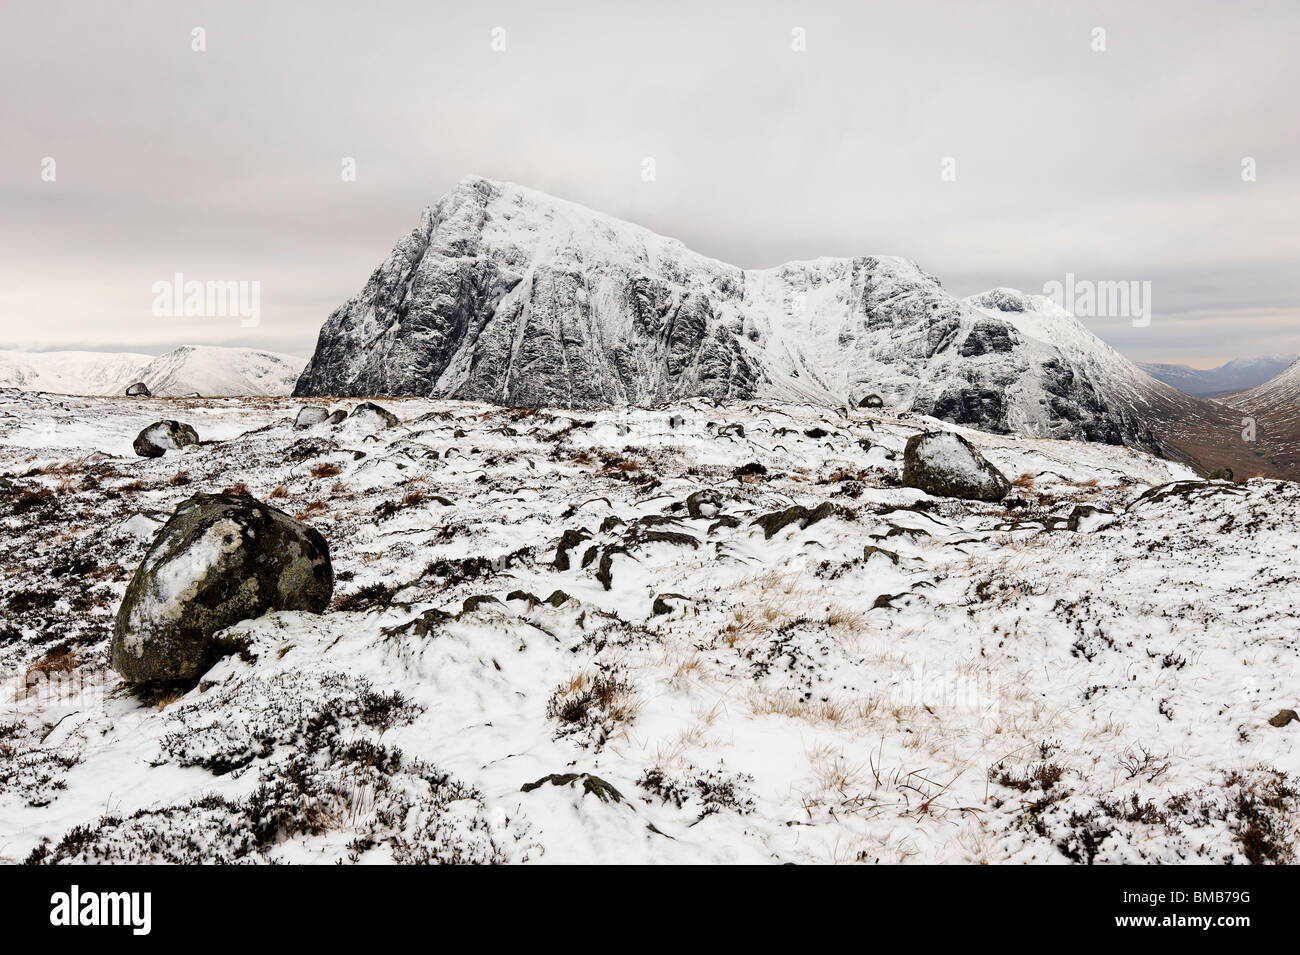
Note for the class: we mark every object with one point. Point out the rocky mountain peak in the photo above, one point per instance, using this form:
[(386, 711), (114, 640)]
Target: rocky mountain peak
[(505, 294)]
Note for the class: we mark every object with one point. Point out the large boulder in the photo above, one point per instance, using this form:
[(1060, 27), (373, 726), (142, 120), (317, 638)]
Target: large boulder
[(220, 559), (163, 436), (947, 465), (139, 390)]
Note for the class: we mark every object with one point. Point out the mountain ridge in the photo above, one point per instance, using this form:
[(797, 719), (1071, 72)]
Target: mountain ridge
[(508, 295), (1239, 374), (209, 370)]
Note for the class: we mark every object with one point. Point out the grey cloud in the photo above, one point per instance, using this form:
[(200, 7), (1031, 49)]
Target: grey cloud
[(225, 164)]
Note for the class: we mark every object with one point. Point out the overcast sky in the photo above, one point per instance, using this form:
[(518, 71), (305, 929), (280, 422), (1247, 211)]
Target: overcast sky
[(226, 164)]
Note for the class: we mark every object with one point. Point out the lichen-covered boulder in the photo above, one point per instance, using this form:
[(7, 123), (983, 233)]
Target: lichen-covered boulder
[(163, 436), (139, 390), (947, 465), (872, 401), (220, 559), (374, 416)]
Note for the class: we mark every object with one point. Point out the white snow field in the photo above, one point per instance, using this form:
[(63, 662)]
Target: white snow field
[(714, 634), (204, 369)]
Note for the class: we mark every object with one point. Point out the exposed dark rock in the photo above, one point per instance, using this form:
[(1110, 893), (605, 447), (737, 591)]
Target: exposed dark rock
[(661, 606), (1085, 515), (139, 390), (797, 514), (222, 558), (370, 413), (945, 464), (591, 785), (705, 503), (163, 436), (568, 540)]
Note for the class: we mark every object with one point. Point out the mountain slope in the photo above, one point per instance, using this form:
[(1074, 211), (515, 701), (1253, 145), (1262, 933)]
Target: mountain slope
[(211, 370), (508, 295), (206, 369), (1274, 407), (70, 372), (1236, 375)]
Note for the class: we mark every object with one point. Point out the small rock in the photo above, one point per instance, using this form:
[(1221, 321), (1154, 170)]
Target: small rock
[(945, 464), (220, 559), (1283, 718), (872, 401), (591, 785), (704, 503), (797, 514), (163, 436), (369, 412), (1221, 474), (310, 415), (1085, 517), (139, 390)]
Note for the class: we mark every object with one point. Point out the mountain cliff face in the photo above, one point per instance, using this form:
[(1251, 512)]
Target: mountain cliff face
[(508, 295)]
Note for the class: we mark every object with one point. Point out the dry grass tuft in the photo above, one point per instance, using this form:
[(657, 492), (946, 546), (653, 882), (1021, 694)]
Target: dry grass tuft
[(311, 510)]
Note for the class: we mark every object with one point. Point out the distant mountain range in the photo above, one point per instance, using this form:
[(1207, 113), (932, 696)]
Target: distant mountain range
[(208, 370), (1237, 375)]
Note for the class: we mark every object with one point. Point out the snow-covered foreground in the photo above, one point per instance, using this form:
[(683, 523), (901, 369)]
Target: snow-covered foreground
[(880, 676)]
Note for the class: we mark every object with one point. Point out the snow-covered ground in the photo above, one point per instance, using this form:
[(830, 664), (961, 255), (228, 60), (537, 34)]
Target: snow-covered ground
[(527, 597)]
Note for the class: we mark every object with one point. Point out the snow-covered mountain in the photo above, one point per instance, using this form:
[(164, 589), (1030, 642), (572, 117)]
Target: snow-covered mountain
[(70, 372), (206, 369), (1236, 375), (1275, 409), (212, 370), (1278, 393), (505, 294)]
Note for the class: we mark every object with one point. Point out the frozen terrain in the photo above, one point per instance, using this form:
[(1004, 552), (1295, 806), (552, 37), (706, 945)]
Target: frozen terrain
[(203, 369), (711, 632)]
